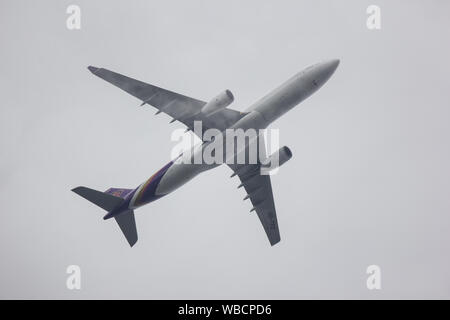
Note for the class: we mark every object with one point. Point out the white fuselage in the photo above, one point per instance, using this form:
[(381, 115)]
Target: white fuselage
[(259, 116)]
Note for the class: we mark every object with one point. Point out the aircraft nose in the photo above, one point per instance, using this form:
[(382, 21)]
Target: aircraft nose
[(324, 71), (328, 67)]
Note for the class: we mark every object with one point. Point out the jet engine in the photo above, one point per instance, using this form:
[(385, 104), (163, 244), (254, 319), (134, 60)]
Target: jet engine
[(278, 158), (221, 101)]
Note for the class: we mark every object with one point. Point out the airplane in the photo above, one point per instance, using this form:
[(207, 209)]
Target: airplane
[(120, 203)]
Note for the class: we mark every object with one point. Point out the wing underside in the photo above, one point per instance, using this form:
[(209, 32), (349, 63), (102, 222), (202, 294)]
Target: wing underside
[(259, 192), (180, 107)]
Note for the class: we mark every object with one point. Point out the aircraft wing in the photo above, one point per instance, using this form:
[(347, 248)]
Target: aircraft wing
[(259, 191), (179, 107)]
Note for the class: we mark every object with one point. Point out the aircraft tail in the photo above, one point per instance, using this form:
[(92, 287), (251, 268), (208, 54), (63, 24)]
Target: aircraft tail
[(127, 223), (109, 200)]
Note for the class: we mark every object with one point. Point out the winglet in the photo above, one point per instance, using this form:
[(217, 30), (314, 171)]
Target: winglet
[(93, 69)]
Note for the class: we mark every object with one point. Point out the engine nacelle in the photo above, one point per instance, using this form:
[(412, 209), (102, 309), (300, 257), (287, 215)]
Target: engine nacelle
[(277, 159), (221, 101)]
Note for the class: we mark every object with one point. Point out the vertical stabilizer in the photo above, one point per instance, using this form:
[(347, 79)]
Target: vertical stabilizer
[(110, 200)]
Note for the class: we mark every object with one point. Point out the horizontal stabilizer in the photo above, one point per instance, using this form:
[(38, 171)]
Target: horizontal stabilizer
[(105, 201), (109, 202), (127, 224)]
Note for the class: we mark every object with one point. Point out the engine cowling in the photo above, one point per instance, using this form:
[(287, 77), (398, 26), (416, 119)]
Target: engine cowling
[(278, 158), (219, 102)]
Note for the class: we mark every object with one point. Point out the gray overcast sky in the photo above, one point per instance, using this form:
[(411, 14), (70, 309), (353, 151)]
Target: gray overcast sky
[(368, 183)]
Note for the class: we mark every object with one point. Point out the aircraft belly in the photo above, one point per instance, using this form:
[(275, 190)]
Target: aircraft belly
[(285, 97), (146, 192), (177, 175)]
